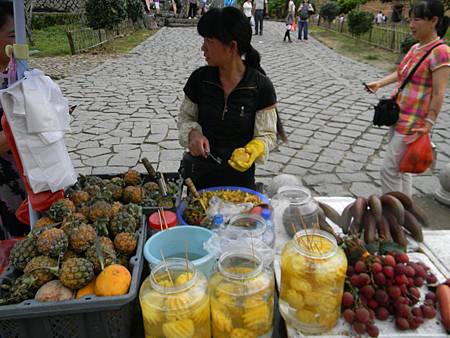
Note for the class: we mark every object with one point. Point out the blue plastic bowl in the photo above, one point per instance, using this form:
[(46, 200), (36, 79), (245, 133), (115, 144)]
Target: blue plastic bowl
[(173, 242), (180, 210)]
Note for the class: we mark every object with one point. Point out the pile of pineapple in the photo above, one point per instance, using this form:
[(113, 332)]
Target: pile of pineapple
[(78, 237)]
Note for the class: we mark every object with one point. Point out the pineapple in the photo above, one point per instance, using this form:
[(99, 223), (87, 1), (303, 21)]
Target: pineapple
[(106, 250), (80, 197), (82, 237), (136, 211), (116, 207), (43, 221), (22, 288), (123, 260), (105, 241), (103, 194), (100, 209), (132, 194), (52, 242), (125, 243), (165, 202), (61, 209), (92, 190), (76, 273), (151, 187), (122, 222), (132, 177), (90, 180), (69, 254), (100, 226), (70, 224), (117, 181), (37, 267), (116, 191), (23, 252), (84, 210)]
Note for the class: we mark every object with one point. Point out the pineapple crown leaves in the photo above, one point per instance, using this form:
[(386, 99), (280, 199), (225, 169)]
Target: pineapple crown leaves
[(20, 289), (98, 252)]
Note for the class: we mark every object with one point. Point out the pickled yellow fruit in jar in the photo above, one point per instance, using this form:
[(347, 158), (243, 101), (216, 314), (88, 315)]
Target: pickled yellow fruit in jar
[(175, 304), (313, 272)]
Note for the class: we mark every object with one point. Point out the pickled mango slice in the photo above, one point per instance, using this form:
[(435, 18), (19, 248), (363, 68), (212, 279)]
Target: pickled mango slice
[(221, 320), (242, 333), (183, 278), (294, 299), (301, 285), (179, 329), (257, 317), (200, 314)]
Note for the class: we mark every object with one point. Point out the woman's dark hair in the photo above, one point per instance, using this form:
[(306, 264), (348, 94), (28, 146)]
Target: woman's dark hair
[(6, 10), (230, 24), (428, 9)]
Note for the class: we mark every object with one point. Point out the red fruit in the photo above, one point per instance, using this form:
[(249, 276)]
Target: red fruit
[(381, 297), (401, 323), (389, 282), (428, 302), (372, 303), (414, 292), (371, 314), (372, 330), (400, 269), (403, 311), (388, 271), (380, 279), (349, 316), (428, 311), (389, 260), (382, 313), (431, 279), (362, 315), (401, 279), (350, 271), (360, 267), (413, 324), (354, 279), (347, 300), (418, 281), (404, 289), (410, 281), (359, 328), (394, 291), (410, 272), (367, 291), (376, 267), (400, 301), (431, 295), (364, 279), (417, 312), (420, 271), (402, 258)]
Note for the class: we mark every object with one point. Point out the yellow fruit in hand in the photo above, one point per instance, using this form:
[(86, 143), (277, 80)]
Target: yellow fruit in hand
[(87, 290), (114, 280), (240, 155)]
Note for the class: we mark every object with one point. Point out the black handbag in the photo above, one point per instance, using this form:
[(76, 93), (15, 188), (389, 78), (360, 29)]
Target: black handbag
[(387, 110)]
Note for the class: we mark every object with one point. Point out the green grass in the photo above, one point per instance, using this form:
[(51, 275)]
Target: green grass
[(51, 41), (127, 43)]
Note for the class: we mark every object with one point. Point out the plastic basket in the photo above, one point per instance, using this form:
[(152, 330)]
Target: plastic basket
[(88, 317)]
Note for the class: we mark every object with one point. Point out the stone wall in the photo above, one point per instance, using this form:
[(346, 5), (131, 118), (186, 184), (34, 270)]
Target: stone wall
[(73, 6)]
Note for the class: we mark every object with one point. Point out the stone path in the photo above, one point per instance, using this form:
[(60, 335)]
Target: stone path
[(127, 110)]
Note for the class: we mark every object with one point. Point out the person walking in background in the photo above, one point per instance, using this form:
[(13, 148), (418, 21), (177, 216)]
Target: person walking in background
[(289, 20), (421, 99), (247, 7), (260, 8), (305, 10), (379, 18), (192, 9), (202, 7)]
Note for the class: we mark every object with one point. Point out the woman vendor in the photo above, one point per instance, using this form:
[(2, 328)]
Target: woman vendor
[(229, 108)]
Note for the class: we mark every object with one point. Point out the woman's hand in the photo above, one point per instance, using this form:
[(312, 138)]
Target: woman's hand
[(373, 87), (198, 144)]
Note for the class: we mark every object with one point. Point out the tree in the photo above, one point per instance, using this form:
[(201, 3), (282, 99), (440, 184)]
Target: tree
[(349, 5), (329, 11), (359, 22), (135, 9), (105, 13)]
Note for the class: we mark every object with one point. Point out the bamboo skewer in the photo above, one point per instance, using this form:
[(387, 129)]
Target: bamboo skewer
[(167, 269), (194, 192), (186, 258)]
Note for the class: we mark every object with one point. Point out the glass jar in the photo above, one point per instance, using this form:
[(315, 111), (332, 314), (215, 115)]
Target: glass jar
[(294, 209), (313, 270), (251, 226), (175, 301), (242, 296)]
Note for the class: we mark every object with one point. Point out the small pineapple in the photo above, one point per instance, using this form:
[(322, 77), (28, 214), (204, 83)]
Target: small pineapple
[(107, 253), (123, 260), (76, 273), (52, 242), (69, 224), (125, 243), (151, 187), (69, 254), (23, 252), (106, 242), (116, 191), (136, 211), (61, 209), (92, 190), (80, 197), (90, 180), (122, 222), (22, 288), (104, 194), (85, 210), (116, 207), (100, 209), (132, 194), (165, 202), (43, 221), (132, 177), (37, 267), (117, 181), (82, 237), (100, 226)]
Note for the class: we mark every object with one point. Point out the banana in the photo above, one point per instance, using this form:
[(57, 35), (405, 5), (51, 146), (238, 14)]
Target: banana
[(370, 227), (331, 213), (323, 225), (420, 215), (384, 233), (413, 226), (358, 211), (396, 229), (346, 218), (394, 206), (405, 199), (375, 207)]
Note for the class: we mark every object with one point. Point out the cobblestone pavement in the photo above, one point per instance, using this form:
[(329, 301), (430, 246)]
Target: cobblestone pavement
[(127, 110)]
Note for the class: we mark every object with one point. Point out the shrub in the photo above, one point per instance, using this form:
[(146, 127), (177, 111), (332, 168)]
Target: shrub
[(44, 20), (349, 5), (105, 13), (359, 22), (135, 10), (329, 11), (407, 43)]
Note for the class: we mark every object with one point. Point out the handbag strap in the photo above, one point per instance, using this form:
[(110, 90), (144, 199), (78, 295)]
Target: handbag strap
[(411, 73)]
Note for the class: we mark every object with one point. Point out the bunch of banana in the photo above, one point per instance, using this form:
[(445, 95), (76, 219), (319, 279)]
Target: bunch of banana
[(384, 218)]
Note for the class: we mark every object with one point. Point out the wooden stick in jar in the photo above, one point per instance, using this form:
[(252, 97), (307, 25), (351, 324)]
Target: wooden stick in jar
[(194, 192), (167, 269)]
